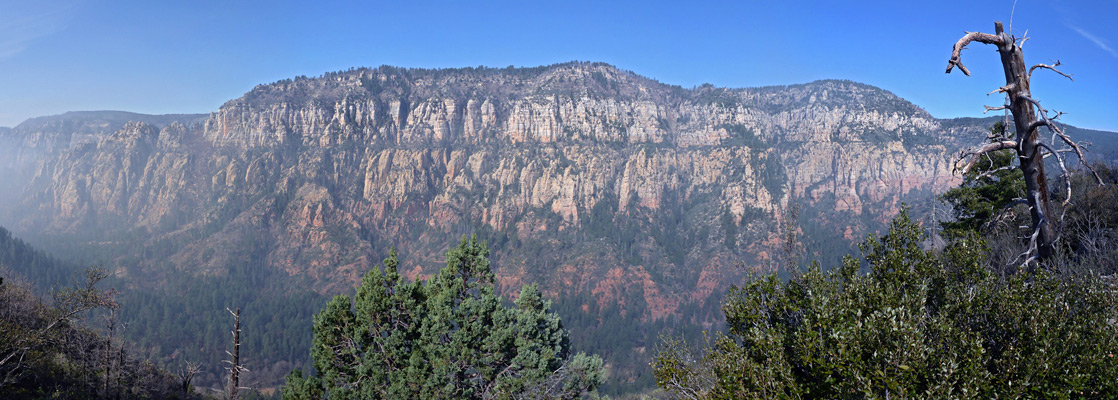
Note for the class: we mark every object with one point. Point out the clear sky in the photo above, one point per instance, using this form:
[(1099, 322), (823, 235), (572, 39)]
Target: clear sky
[(192, 56)]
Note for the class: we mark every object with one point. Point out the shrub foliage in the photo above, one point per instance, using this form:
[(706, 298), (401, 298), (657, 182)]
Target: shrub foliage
[(902, 322)]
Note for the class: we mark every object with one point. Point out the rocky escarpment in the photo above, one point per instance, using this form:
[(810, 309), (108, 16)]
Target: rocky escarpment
[(45, 139), (48, 136), (325, 173), (612, 190), (556, 105)]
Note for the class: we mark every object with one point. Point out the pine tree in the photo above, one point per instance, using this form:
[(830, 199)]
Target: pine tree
[(449, 337), (987, 189)]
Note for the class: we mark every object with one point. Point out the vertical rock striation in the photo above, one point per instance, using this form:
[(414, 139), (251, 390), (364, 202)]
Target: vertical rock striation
[(609, 188)]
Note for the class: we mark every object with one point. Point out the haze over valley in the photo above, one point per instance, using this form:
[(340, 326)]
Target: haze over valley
[(633, 203), (370, 207)]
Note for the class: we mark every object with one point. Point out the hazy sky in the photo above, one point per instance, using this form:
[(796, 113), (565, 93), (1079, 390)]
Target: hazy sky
[(192, 56)]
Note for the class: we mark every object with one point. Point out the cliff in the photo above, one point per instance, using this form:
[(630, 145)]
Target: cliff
[(326, 173), (612, 190)]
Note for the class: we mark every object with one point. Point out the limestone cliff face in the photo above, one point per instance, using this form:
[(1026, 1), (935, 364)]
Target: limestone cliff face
[(593, 181), (48, 136), (570, 103), (132, 178)]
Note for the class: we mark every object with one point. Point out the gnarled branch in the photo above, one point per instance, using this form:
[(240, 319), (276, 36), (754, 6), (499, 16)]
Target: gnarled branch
[(992, 147), (956, 57), (1057, 132), (1051, 67)]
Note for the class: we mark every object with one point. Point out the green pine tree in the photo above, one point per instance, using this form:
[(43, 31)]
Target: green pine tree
[(986, 190), (449, 338)]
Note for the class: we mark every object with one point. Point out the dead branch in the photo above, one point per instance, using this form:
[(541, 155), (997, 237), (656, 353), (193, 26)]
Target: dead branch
[(1016, 202), (1032, 252), (989, 108), (1046, 155), (1003, 217), (1057, 132), (1051, 67), (69, 303), (1003, 89), (956, 56), (991, 173), (992, 147)]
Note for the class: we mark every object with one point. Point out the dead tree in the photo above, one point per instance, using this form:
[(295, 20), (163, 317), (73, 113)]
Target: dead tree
[(112, 320), (186, 374), (235, 367), (1028, 117)]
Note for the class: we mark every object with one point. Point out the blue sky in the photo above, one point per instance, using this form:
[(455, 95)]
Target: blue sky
[(172, 57)]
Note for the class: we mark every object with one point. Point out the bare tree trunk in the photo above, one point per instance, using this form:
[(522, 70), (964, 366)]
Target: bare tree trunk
[(120, 358), (108, 351), (1032, 161), (235, 370)]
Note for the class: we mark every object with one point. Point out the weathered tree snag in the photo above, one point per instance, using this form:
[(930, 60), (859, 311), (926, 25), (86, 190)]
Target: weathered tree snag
[(235, 367), (186, 374), (1027, 123)]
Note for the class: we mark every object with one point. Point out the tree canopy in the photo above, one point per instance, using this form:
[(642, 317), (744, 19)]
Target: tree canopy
[(449, 337)]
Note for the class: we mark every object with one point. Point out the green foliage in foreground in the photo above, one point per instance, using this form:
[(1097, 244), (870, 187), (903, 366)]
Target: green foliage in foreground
[(447, 338), (917, 325)]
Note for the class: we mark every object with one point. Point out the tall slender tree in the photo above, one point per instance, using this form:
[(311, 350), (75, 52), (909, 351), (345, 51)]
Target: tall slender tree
[(235, 367)]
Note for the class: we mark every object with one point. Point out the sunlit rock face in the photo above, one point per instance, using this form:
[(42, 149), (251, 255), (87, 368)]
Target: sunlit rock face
[(598, 183)]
